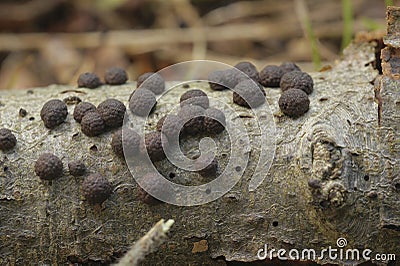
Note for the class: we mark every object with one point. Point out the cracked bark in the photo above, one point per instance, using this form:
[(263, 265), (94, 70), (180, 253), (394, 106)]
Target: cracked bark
[(335, 174)]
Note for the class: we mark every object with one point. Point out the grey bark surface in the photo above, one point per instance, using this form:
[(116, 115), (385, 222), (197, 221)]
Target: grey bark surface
[(338, 142)]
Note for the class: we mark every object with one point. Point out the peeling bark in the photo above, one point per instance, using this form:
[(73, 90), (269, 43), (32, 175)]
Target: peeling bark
[(335, 174)]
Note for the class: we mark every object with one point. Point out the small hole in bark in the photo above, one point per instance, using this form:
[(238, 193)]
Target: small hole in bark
[(29, 92), (31, 118), (93, 148), (5, 169), (348, 122), (397, 186), (355, 189), (186, 86), (238, 168), (324, 204), (366, 177), (275, 223), (224, 155), (323, 99), (208, 191), (171, 175)]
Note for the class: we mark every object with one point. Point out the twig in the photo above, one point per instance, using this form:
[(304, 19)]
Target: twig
[(147, 244), (347, 11), (302, 13)]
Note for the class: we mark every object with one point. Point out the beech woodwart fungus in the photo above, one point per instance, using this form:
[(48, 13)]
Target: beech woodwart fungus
[(125, 139), (48, 167), (92, 124), (214, 121), (195, 97), (112, 111), (222, 79), (115, 76), (96, 189), (153, 146), (249, 69), (171, 126), (249, 94), (81, 109), (297, 80), (7, 139), (294, 102), (210, 170), (76, 168), (89, 80), (192, 116), (271, 76), (289, 67), (53, 113), (152, 81), (22, 112), (152, 185), (142, 102)]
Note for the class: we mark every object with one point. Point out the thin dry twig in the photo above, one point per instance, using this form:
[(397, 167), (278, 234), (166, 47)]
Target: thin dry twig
[(147, 244)]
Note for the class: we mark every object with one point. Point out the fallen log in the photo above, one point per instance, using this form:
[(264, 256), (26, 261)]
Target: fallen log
[(334, 180)]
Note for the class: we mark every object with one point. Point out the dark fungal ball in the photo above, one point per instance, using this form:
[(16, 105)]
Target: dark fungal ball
[(289, 67), (294, 103), (151, 184), (151, 81), (314, 183), (297, 80), (271, 76), (192, 116), (195, 97), (96, 189), (210, 170), (214, 121), (222, 79), (89, 80), (248, 94), (160, 123), (48, 167), (112, 111), (249, 69), (53, 113), (171, 126), (115, 76), (77, 168), (92, 124), (153, 146), (7, 139), (81, 109), (22, 112), (125, 140), (142, 102)]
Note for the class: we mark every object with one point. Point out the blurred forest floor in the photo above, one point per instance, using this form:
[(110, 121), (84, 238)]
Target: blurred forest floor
[(52, 41)]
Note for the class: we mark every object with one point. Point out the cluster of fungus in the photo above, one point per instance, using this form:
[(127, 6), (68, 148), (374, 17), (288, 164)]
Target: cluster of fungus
[(195, 116), (113, 76), (247, 85), (94, 121), (295, 86)]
